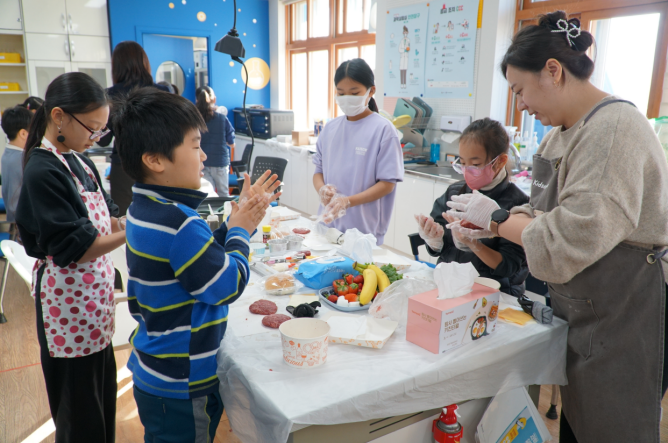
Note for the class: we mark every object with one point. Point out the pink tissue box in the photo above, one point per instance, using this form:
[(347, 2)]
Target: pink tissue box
[(441, 325)]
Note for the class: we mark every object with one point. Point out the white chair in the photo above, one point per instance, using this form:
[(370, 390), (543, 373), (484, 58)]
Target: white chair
[(22, 263), (121, 265)]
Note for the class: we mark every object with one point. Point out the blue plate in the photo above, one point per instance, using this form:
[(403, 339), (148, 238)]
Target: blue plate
[(326, 292)]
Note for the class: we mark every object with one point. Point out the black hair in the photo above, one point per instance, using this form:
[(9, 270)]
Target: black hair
[(130, 65), (74, 93), (534, 45), (150, 121), (490, 134), (205, 104), (33, 103), (176, 89), (14, 119), (357, 70), (168, 86)]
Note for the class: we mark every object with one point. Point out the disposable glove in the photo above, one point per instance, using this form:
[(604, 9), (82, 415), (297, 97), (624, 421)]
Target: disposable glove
[(326, 193), (336, 208), (475, 208), (430, 231)]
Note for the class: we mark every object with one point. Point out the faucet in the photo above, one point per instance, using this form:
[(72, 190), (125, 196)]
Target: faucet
[(516, 157)]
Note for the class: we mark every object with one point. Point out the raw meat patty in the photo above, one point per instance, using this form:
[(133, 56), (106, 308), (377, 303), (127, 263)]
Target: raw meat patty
[(263, 307), (469, 225), (302, 231), (274, 321)]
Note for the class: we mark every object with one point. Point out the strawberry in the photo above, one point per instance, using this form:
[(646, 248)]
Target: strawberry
[(351, 297), (359, 279), (338, 282), (342, 289), (359, 289), (348, 278), (354, 289), (333, 298)]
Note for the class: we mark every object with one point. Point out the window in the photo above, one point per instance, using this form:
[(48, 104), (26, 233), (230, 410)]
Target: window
[(632, 67), (321, 35)]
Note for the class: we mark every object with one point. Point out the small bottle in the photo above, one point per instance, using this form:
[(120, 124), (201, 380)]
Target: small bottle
[(446, 429), (213, 221), (435, 153), (516, 141), (266, 234), (523, 146)]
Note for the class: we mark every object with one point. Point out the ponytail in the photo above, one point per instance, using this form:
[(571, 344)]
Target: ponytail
[(372, 105), (74, 93)]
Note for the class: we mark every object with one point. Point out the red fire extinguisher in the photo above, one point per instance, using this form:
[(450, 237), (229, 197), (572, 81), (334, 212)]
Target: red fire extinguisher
[(447, 429)]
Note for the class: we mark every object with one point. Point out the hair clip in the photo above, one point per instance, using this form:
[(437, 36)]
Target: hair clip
[(571, 33)]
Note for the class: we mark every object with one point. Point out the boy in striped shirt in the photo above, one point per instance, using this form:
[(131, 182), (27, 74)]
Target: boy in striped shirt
[(181, 275)]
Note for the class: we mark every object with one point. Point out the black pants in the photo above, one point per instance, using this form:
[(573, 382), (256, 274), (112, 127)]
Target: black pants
[(566, 434), (121, 188), (81, 391)]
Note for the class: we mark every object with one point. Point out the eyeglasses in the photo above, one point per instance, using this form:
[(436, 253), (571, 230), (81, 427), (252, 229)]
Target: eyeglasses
[(93, 134), (475, 171)]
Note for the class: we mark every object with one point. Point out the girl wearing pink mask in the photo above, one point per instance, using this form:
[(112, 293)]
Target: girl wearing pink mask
[(483, 154)]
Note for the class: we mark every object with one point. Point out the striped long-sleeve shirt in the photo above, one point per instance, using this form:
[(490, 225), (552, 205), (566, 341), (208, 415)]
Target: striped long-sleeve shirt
[(181, 279)]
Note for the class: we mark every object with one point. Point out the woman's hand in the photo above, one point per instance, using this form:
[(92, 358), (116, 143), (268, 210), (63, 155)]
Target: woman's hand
[(266, 184), (475, 208), (326, 193), (336, 208)]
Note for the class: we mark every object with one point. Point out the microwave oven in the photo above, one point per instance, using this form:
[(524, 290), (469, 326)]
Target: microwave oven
[(265, 123)]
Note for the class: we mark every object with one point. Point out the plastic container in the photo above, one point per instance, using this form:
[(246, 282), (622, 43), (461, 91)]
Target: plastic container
[(294, 242), (9, 86), (213, 221), (258, 248), (10, 57), (435, 152), (304, 342), (280, 284), (278, 245)]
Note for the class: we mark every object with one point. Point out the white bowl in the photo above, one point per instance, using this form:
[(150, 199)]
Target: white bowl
[(304, 342)]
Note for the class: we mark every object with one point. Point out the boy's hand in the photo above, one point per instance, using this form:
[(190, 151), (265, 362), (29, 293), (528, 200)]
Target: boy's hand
[(266, 184), (250, 214)]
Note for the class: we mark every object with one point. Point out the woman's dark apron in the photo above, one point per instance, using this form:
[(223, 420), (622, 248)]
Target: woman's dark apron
[(615, 309)]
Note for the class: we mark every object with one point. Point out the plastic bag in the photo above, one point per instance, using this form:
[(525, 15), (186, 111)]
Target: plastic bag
[(358, 246), (321, 272), (280, 284), (393, 302)]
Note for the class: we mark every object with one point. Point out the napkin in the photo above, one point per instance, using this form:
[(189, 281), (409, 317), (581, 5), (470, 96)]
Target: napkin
[(454, 279), (346, 327)]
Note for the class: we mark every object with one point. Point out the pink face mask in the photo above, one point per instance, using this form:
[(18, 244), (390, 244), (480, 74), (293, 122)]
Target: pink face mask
[(476, 178)]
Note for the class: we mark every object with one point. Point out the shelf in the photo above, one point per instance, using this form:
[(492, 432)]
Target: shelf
[(12, 64), (12, 92), (11, 32)]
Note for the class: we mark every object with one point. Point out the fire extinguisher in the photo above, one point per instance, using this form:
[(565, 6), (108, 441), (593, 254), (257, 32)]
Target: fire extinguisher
[(447, 429)]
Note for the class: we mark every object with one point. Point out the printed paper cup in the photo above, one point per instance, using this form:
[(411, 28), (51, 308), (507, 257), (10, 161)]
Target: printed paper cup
[(304, 342)]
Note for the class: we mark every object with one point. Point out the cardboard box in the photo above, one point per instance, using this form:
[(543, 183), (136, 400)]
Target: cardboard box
[(300, 138), (10, 57), (441, 325)]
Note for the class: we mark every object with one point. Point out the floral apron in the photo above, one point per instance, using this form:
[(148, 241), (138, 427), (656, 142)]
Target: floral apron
[(78, 301)]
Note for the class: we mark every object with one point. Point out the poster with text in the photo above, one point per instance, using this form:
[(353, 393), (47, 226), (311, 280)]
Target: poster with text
[(405, 35), (451, 49)]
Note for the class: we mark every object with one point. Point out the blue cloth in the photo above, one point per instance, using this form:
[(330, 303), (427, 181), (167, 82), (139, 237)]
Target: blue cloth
[(11, 168), (181, 279), (168, 420), (214, 142)]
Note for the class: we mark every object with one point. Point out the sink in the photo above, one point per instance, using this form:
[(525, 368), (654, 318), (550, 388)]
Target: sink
[(442, 171)]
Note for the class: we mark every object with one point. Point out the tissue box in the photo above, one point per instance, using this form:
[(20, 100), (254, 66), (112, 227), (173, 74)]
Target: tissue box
[(441, 325)]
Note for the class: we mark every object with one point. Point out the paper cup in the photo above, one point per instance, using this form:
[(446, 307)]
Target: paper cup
[(304, 342)]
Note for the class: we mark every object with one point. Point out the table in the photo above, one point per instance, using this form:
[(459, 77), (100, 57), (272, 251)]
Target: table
[(266, 400)]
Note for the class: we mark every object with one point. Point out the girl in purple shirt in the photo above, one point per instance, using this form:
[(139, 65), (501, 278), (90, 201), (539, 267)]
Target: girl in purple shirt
[(358, 159)]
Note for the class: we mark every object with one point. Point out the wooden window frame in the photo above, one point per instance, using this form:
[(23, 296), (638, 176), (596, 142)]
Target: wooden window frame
[(331, 43), (591, 10)]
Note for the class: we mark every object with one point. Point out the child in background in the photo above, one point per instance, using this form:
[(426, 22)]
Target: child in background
[(15, 123), (32, 103), (67, 222), (182, 277), (483, 154), (219, 135)]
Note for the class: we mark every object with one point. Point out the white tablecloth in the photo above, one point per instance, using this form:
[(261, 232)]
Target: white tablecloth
[(264, 397)]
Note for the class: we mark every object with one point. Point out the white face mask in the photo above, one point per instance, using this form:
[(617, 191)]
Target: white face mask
[(352, 105)]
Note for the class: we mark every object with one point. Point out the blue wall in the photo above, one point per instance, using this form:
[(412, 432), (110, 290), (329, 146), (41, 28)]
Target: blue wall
[(128, 18)]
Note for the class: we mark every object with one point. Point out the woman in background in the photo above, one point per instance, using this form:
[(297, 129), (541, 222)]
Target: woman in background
[(129, 69), (215, 141)]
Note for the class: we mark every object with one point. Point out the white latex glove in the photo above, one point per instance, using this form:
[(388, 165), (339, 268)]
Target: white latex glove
[(336, 208), (475, 208), (430, 231), (326, 193), (462, 242)]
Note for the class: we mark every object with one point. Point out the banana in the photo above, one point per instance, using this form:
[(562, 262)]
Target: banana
[(383, 280), (369, 289), (359, 267)]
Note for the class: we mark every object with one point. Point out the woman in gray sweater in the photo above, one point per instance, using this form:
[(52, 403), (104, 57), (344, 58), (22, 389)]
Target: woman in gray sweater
[(596, 230)]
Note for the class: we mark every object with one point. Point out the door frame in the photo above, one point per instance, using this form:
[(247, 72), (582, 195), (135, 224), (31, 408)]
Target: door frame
[(140, 31)]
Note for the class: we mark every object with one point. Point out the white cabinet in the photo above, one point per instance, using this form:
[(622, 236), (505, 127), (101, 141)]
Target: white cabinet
[(312, 198), (101, 72), (76, 17), (42, 73), (415, 195), (87, 17), (300, 179), (89, 49), (54, 47), (10, 15), (45, 16)]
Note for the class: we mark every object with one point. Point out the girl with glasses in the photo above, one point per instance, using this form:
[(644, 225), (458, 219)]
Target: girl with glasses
[(67, 221), (483, 154)]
